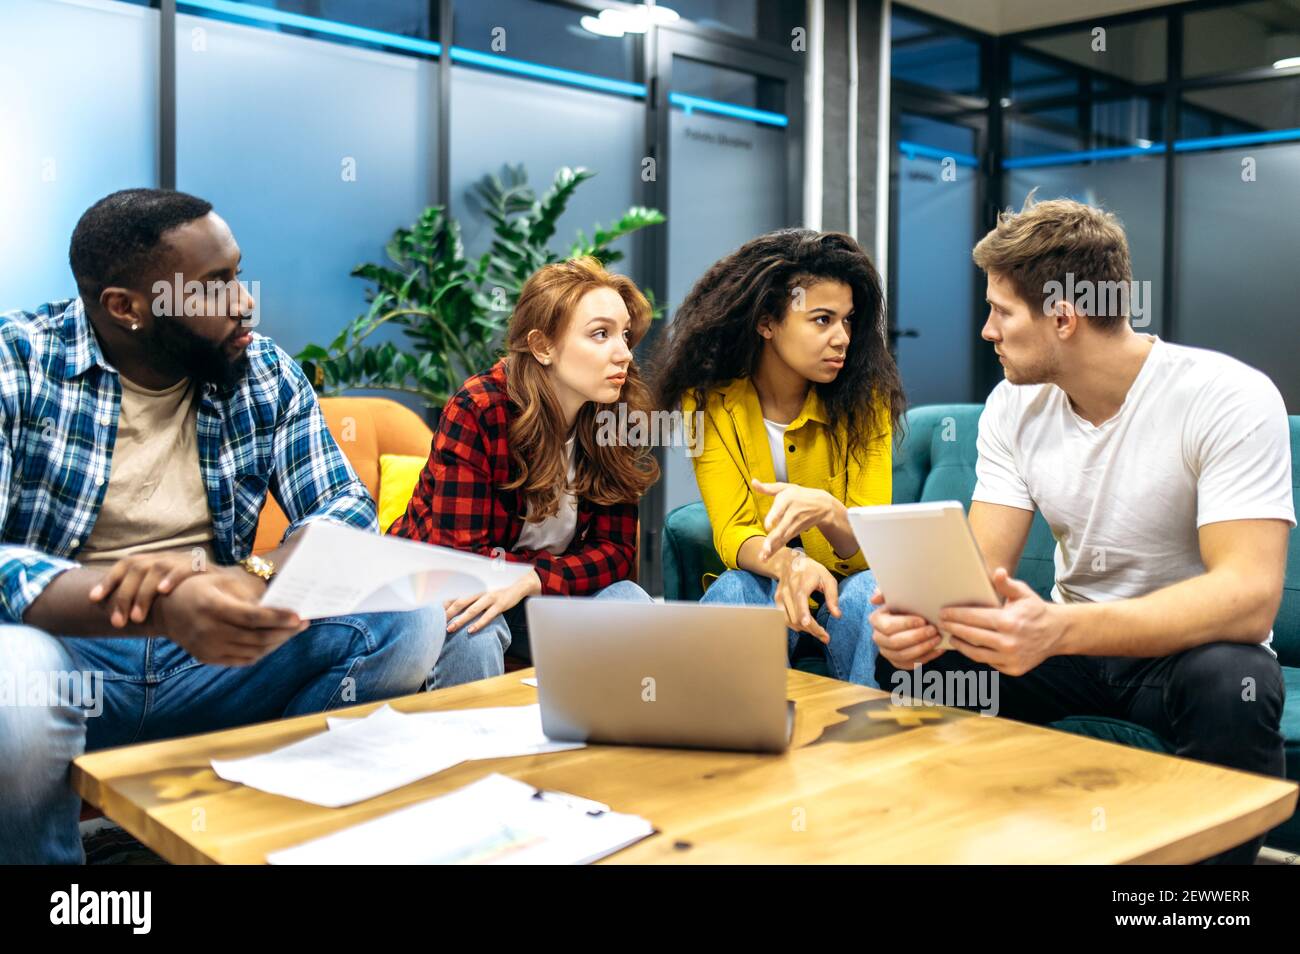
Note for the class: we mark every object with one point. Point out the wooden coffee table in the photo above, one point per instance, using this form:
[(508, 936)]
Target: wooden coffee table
[(864, 782)]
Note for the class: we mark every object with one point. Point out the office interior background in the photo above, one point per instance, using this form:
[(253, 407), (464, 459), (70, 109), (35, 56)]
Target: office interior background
[(317, 127)]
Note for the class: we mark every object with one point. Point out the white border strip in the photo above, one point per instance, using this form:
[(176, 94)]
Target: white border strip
[(884, 148), (815, 98), (853, 118)]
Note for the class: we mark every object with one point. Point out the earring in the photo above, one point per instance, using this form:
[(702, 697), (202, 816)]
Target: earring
[(135, 326)]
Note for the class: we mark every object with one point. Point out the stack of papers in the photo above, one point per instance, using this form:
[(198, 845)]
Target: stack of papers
[(356, 759), (496, 820), (335, 569)]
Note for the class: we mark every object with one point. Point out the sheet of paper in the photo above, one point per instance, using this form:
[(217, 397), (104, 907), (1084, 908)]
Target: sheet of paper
[(496, 820), (358, 759), (335, 569), (529, 681), (488, 733)]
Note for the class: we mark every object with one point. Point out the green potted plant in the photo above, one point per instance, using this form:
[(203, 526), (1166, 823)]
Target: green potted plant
[(453, 311)]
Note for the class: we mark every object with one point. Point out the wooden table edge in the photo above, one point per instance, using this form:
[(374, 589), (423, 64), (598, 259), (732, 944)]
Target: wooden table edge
[(174, 849), (1199, 846)]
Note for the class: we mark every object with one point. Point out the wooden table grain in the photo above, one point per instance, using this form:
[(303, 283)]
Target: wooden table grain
[(864, 782)]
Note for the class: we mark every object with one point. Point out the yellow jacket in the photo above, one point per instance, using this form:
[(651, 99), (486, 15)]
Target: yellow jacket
[(736, 450)]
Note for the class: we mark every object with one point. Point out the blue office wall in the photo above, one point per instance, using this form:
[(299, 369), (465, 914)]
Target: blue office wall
[(313, 151), (497, 119), (78, 120)]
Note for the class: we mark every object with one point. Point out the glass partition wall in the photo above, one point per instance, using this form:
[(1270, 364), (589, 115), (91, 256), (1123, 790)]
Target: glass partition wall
[(318, 127), (1183, 120)]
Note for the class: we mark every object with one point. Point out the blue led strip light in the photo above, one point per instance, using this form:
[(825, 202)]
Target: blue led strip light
[(523, 68), (914, 149), (1241, 139), (693, 103), (1069, 158), (1180, 145), (316, 25)]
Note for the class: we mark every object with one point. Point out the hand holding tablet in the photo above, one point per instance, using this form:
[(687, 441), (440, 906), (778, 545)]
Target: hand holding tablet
[(924, 557)]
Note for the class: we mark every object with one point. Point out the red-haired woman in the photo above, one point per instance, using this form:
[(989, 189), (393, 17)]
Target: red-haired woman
[(517, 469)]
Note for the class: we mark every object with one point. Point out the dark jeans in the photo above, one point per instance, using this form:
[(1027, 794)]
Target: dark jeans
[(1220, 703)]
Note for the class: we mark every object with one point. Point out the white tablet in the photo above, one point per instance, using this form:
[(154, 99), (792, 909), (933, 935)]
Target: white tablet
[(924, 557)]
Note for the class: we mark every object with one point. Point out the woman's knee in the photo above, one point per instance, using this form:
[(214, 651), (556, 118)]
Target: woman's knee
[(738, 587), (625, 590), (410, 641), (489, 642), (858, 588)]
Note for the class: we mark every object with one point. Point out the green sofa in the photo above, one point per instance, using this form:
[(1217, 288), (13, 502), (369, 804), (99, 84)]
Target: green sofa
[(936, 461)]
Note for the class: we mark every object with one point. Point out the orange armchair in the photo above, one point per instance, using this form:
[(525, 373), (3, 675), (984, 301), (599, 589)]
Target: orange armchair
[(364, 427)]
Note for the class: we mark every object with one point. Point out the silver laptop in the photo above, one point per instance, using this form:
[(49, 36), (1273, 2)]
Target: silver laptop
[(663, 674)]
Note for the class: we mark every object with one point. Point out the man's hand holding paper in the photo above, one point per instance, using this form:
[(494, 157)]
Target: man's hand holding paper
[(335, 569)]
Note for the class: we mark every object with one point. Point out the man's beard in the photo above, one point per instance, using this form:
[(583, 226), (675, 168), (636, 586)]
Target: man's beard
[(195, 356), (1043, 371)]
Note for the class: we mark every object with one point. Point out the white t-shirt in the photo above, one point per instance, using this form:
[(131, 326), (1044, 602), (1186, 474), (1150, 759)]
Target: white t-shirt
[(1201, 438), (555, 533), (776, 442)]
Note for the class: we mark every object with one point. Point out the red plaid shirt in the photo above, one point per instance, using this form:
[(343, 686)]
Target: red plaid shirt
[(459, 501)]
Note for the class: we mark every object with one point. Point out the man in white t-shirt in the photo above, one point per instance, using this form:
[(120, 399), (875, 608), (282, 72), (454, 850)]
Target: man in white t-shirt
[(1164, 473)]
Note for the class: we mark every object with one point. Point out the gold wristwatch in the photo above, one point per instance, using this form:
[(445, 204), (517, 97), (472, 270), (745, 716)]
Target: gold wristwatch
[(260, 567)]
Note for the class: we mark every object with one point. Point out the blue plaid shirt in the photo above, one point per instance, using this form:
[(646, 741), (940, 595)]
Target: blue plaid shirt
[(59, 405)]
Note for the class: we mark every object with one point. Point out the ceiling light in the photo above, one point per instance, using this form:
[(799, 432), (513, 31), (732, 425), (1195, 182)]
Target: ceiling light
[(616, 22), (601, 27)]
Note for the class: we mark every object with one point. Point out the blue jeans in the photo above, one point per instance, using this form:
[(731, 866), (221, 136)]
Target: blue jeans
[(851, 653), (469, 656), (151, 689)]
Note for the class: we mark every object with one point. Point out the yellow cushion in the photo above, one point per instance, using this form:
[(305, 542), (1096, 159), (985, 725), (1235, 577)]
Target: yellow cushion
[(398, 475)]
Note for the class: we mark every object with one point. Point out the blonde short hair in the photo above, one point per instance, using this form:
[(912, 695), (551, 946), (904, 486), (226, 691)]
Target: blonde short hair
[(1045, 241)]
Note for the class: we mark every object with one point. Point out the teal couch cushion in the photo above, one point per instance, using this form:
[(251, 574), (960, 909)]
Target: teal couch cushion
[(688, 553), (1114, 730)]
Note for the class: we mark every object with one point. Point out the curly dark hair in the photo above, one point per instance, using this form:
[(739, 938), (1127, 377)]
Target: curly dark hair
[(714, 335)]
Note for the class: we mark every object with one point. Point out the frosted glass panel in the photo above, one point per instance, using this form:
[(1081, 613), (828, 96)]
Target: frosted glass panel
[(936, 282), (78, 120), (313, 152), (727, 185), (499, 119), (1134, 191), (1238, 283)]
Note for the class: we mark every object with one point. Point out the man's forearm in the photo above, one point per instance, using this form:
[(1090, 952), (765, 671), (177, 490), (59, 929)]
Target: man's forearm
[(1212, 607), (64, 608)]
